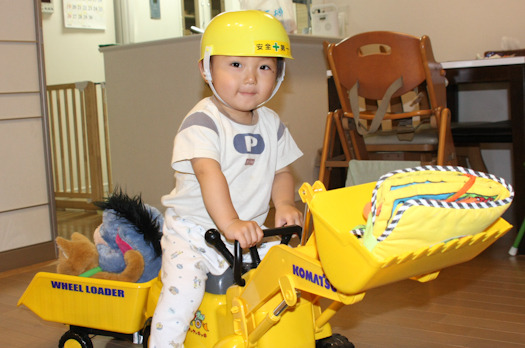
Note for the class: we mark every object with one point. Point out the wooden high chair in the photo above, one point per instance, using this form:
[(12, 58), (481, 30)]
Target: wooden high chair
[(393, 99)]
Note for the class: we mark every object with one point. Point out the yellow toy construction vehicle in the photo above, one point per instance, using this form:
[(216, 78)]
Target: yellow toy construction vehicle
[(275, 304)]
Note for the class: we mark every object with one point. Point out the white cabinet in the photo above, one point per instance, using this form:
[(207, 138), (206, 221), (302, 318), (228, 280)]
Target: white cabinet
[(168, 91)]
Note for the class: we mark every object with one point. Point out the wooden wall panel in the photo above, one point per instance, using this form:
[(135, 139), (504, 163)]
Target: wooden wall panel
[(21, 105), (24, 184), (18, 225), (19, 67), (27, 214), (13, 25)]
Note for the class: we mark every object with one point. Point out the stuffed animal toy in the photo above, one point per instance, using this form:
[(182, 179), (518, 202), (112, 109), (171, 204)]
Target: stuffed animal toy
[(79, 256), (126, 245)]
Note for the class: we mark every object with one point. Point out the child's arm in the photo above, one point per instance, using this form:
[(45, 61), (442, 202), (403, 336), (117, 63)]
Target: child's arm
[(283, 198), (216, 196)]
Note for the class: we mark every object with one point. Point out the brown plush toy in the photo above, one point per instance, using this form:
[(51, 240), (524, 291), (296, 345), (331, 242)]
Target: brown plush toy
[(80, 255), (126, 246)]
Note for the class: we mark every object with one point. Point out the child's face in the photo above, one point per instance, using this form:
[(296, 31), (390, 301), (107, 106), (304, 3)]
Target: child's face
[(243, 82)]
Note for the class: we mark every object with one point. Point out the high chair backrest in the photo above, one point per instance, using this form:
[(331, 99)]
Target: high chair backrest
[(375, 60), (385, 69)]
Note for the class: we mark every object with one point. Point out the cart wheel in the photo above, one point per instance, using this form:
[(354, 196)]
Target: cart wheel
[(73, 339), (334, 341), (146, 331)]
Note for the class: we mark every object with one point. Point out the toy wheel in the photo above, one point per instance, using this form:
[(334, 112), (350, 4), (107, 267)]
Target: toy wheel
[(146, 331), (334, 341), (73, 339)]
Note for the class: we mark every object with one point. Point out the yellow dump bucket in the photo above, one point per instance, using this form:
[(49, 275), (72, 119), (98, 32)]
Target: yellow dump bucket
[(95, 303), (352, 269)]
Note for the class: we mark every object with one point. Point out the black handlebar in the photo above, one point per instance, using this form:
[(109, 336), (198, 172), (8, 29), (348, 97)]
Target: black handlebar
[(213, 237)]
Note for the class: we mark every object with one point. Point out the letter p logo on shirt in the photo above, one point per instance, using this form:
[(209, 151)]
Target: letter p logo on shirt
[(248, 143)]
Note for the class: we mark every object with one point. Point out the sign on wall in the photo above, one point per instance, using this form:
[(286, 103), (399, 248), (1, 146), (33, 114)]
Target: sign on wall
[(84, 14)]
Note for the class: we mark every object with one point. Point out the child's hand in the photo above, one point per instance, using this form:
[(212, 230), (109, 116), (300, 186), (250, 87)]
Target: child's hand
[(287, 214), (248, 233)]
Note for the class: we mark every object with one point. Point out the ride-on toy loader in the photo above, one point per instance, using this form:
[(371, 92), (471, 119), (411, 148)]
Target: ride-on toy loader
[(275, 304)]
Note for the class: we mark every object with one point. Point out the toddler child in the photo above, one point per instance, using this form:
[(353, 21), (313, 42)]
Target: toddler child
[(231, 157)]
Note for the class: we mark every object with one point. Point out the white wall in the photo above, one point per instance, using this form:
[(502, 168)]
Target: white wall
[(72, 55), (458, 29)]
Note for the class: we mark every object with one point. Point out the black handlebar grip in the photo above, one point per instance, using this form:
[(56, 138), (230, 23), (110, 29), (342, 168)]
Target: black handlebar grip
[(213, 237), (256, 259), (237, 266), (283, 231)]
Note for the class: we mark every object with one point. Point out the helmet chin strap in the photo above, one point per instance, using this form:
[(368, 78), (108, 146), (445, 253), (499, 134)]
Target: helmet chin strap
[(207, 74), (280, 79)]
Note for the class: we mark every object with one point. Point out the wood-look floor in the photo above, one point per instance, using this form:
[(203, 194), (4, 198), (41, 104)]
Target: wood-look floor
[(478, 304)]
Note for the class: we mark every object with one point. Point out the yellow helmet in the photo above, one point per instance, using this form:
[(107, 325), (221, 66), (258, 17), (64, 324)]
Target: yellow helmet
[(245, 33)]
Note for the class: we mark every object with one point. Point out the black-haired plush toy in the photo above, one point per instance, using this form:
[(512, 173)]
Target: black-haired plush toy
[(127, 225)]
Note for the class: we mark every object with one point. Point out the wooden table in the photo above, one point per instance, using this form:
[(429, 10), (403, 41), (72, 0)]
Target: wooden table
[(512, 72)]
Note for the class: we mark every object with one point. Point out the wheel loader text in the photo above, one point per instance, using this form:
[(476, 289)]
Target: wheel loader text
[(96, 290)]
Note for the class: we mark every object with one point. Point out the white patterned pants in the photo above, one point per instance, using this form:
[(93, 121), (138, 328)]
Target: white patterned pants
[(183, 278)]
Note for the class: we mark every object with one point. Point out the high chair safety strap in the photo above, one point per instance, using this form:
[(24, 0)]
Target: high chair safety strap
[(381, 108)]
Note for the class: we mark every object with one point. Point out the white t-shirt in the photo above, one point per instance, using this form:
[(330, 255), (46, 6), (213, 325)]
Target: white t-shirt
[(249, 156)]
